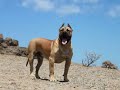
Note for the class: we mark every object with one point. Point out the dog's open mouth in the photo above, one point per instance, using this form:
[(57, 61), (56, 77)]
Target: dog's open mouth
[(64, 38), (64, 41)]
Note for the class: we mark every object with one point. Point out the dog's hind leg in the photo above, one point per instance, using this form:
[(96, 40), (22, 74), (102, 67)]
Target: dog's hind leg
[(40, 61)]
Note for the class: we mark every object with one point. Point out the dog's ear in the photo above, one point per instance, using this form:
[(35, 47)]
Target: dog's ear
[(69, 26), (62, 25)]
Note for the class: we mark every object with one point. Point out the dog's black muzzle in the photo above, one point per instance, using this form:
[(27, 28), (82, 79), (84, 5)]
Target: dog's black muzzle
[(64, 38)]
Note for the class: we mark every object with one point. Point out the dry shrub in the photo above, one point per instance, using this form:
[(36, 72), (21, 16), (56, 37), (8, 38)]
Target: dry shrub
[(91, 57), (109, 65)]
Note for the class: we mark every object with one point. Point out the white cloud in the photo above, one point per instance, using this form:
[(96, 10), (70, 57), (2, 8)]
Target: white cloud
[(68, 9), (114, 11), (25, 3), (63, 7), (45, 5)]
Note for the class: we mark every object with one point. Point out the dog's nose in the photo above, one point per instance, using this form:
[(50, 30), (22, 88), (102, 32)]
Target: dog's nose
[(65, 33)]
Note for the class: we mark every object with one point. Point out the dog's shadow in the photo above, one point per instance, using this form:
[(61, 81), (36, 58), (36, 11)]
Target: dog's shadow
[(45, 79), (63, 81)]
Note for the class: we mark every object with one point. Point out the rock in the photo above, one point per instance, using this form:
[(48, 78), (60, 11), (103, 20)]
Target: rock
[(4, 45), (14, 43), (22, 51), (8, 41), (9, 46), (13, 50), (1, 47), (109, 65), (1, 38)]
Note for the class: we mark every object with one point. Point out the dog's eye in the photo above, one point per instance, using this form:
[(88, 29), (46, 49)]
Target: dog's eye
[(68, 30), (61, 30)]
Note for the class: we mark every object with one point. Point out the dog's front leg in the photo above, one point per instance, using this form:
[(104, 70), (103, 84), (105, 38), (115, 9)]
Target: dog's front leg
[(67, 65), (51, 69)]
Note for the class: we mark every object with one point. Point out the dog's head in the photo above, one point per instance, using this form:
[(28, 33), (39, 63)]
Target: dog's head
[(65, 34)]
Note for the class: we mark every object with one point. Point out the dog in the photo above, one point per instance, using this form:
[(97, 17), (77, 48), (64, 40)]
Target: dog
[(56, 51)]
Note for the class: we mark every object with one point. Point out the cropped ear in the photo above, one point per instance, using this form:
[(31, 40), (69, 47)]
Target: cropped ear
[(62, 25), (69, 26)]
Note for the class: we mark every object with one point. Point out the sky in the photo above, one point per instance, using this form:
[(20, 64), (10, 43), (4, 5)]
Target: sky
[(95, 24)]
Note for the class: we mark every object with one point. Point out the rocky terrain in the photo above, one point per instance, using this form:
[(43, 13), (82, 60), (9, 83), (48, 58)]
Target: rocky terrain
[(14, 75), (10, 46)]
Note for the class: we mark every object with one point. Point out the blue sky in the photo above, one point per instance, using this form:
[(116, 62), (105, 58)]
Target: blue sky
[(95, 23)]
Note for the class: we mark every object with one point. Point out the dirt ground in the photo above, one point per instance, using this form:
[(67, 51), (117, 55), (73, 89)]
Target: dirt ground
[(14, 75)]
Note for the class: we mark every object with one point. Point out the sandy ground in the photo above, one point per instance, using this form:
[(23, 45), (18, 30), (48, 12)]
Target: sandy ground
[(14, 75)]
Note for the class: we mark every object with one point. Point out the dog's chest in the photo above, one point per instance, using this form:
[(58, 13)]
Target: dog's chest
[(61, 55)]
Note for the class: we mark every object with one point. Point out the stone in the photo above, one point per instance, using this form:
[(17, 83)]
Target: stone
[(1, 36), (8, 41), (4, 45), (22, 52), (15, 43)]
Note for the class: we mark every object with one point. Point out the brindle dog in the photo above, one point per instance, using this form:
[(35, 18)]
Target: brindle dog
[(56, 51)]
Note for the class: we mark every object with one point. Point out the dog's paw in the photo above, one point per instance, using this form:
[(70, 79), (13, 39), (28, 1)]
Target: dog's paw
[(32, 76), (37, 76), (52, 79), (66, 80)]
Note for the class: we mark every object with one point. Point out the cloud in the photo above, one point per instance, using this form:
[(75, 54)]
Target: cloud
[(63, 7), (44, 5), (114, 11), (68, 9)]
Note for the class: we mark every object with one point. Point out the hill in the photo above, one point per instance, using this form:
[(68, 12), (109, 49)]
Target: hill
[(14, 75)]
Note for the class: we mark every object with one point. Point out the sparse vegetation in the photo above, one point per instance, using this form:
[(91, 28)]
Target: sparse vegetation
[(109, 65), (91, 57)]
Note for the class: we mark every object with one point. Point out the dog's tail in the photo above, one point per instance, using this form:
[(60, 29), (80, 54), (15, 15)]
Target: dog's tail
[(27, 56), (26, 63)]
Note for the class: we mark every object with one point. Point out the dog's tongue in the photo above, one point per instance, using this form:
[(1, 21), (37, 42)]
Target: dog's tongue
[(64, 41)]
